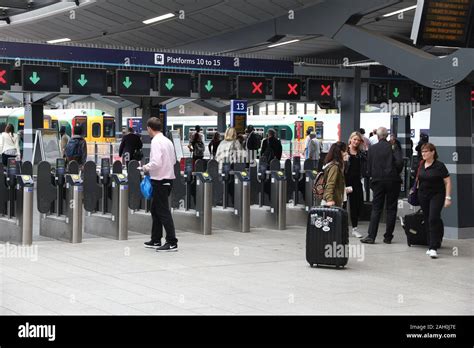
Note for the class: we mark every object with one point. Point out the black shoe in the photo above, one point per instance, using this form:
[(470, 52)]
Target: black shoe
[(152, 245), (367, 240), (387, 241), (168, 247)]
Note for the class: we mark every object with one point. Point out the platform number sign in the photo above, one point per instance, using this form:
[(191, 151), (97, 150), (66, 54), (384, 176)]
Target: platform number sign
[(238, 115), (286, 88)]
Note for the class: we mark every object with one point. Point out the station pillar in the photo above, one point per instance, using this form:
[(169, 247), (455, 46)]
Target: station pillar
[(401, 127), (118, 123), (350, 105), (221, 122), (452, 130), (146, 107)]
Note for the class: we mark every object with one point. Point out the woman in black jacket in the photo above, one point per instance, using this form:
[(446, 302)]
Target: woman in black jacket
[(434, 193), (355, 168), (214, 144)]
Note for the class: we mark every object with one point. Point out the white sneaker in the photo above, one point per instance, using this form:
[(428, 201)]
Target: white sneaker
[(356, 233), (433, 254), (428, 252)]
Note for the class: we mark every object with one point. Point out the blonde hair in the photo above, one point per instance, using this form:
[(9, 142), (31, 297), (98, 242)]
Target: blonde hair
[(361, 138), (230, 134)]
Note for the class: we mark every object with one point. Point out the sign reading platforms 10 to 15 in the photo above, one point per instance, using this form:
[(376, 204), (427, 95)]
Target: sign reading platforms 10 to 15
[(131, 82), (286, 88), (41, 78), (175, 84), (214, 86), (88, 81), (5, 82)]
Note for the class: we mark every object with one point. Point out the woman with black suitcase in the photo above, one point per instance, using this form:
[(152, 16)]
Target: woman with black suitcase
[(334, 175), (434, 193)]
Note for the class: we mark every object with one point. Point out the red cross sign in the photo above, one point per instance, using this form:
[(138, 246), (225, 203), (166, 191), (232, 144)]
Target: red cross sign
[(326, 90), (2, 74), (257, 87), (292, 89)]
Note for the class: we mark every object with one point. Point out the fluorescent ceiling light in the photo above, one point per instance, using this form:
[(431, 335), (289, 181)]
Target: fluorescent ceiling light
[(160, 18), (399, 11), (283, 43), (58, 40)]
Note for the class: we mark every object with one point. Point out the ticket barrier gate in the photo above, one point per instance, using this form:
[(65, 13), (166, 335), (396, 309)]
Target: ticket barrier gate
[(59, 200), (16, 204), (195, 220), (106, 200), (236, 218), (275, 217)]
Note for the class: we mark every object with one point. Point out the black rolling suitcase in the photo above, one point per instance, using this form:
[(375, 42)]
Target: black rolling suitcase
[(415, 229), (327, 236)]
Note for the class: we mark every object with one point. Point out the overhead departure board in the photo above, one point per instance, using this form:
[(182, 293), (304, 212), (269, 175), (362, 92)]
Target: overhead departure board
[(251, 87), (444, 23), (88, 81), (132, 82), (175, 84), (41, 78), (286, 88), (320, 90), (400, 91), (214, 86)]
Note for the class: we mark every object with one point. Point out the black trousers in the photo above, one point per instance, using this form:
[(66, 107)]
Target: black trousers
[(161, 213), (5, 159), (356, 200), (384, 191), (431, 205)]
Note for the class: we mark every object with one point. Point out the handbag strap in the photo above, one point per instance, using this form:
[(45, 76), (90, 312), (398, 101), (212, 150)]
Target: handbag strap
[(418, 171)]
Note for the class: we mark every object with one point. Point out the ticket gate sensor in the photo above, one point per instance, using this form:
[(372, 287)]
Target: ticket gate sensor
[(238, 217), (59, 201), (16, 205), (279, 198), (188, 180), (226, 179), (105, 201), (310, 178)]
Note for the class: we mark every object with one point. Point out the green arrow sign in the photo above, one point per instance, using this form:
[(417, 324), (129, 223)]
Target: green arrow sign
[(127, 83), (169, 84), (34, 78), (209, 86), (396, 93), (82, 81)]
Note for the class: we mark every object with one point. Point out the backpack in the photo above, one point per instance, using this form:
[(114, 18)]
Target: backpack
[(268, 155), (198, 148), (73, 150), (320, 184)]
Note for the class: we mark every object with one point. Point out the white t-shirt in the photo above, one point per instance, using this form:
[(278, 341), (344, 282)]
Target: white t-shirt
[(9, 144), (374, 139)]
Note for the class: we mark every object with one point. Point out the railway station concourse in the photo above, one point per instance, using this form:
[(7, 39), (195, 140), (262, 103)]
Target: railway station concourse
[(72, 232)]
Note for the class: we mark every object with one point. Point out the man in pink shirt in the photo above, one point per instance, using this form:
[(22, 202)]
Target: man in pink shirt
[(161, 171)]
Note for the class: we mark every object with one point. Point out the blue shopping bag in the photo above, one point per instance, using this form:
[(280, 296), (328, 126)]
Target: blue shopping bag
[(146, 187)]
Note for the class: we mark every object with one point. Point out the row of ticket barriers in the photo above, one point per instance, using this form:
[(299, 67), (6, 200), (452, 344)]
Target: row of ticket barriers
[(106, 201)]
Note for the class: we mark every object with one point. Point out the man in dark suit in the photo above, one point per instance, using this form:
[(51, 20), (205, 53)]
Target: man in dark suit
[(385, 163), (129, 146)]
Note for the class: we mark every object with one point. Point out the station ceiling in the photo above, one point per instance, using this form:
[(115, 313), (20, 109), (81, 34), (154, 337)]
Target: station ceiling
[(119, 23)]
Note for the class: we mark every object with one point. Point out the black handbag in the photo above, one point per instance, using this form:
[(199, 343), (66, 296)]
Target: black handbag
[(138, 155), (413, 194)]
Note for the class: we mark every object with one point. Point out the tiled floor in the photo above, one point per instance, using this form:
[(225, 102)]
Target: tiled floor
[(262, 272)]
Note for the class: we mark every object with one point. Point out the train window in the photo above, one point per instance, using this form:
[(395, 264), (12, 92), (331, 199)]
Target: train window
[(210, 133), (54, 124), (81, 121), (109, 127), (96, 131), (283, 134)]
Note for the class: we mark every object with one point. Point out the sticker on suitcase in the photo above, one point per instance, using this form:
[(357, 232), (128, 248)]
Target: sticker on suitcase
[(321, 222)]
